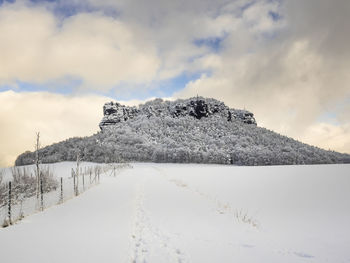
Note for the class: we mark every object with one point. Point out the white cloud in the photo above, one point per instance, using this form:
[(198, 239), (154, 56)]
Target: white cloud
[(99, 50), (57, 117), (257, 17), (173, 27), (139, 46), (328, 136)]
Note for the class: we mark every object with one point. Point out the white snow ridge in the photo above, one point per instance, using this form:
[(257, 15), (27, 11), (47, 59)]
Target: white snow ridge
[(160, 213)]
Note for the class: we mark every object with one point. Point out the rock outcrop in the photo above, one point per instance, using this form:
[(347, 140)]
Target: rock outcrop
[(114, 113), (198, 108)]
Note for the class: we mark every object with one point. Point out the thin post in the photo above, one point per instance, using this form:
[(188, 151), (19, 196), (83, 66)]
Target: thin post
[(41, 194), (9, 203), (61, 196), (98, 176), (83, 182), (78, 170), (73, 175)]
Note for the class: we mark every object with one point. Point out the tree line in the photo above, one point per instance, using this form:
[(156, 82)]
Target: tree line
[(186, 140)]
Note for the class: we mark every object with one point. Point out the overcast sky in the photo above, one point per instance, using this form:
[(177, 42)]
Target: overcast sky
[(287, 61)]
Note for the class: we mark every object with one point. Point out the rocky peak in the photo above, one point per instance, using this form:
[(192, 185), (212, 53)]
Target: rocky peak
[(198, 108), (114, 112)]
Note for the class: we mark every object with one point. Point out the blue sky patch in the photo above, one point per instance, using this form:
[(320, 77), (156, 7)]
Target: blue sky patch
[(275, 16), (247, 5), (64, 86), (164, 88), (329, 117), (65, 9), (7, 1), (123, 91), (171, 86), (214, 43)]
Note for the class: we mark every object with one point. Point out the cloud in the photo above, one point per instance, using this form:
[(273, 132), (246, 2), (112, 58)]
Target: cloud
[(102, 52), (138, 47), (328, 136), (289, 71), (174, 26), (57, 117)]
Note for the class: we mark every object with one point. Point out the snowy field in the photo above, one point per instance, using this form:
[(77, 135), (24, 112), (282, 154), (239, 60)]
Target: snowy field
[(193, 213)]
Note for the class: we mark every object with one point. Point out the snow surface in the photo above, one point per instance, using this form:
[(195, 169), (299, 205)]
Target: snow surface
[(193, 213)]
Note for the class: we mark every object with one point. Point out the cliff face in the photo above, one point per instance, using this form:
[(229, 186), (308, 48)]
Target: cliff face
[(115, 113), (198, 108)]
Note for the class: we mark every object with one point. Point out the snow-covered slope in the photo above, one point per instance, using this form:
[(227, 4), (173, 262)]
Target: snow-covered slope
[(194, 213), (196, 130)]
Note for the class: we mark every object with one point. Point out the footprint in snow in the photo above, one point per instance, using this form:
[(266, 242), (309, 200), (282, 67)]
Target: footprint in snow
[(247, 246), (303, 255)]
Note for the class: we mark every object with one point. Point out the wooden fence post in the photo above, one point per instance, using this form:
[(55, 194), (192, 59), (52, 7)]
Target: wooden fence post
[(61, 196), (73, 175), (41, 194)]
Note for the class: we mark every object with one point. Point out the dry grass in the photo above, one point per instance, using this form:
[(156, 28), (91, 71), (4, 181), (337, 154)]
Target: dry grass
[(243, 216)]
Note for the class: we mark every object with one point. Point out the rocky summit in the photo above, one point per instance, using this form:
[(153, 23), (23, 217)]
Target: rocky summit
[(198, 108)]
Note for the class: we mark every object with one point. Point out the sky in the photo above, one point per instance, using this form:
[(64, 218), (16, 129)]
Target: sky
[(287, 61)]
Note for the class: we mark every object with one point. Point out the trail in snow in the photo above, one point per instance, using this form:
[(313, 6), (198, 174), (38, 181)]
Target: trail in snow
[(150, 243), (186, 213)]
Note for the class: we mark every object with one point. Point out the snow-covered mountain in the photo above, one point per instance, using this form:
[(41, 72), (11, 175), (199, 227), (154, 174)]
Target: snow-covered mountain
[(195, 130)]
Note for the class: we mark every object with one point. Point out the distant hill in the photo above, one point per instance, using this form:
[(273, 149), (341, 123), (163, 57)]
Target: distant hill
[(195, 130)]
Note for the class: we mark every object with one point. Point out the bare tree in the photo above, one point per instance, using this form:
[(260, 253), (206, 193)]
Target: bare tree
[(2, 189), (37, 162), (1, 175)]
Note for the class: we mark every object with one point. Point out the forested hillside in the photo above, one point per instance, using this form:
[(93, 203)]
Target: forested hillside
[(196, 130)]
